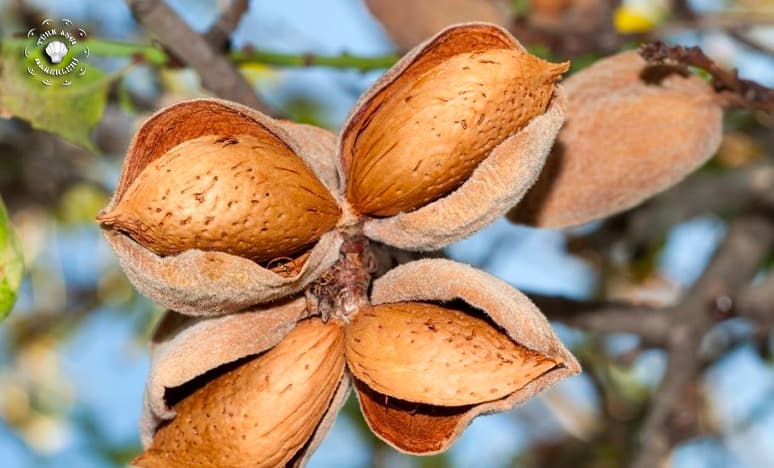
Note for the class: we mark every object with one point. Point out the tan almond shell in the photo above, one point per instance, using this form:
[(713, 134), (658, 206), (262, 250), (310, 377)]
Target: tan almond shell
[(243, 195), (496, 185), (425, 353), (184, 347), (198, 282), (438, 280), (625, 139), (408, 22), (261, 413), (520, 156)]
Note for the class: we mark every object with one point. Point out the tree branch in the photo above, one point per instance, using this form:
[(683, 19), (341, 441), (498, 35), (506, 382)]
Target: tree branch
[(740, 92), (651, 325), (735, 263), (757, 303), (218, 74), (219, 34)]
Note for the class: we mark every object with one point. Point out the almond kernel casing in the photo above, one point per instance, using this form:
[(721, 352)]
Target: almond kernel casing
[(430, 133), (242, 195), (259, 414), (424, 353)]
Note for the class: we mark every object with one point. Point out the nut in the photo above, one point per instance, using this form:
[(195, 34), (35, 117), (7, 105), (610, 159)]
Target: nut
[(424, 353), (243, 195), (431, 132), (259, 414), (631, 132)]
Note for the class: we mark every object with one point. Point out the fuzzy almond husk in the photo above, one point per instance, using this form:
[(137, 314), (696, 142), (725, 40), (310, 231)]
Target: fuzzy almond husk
[(425, 353), (426, 429), (496, 183), (409, 22), (261, 412), (632, 131), (200, 282)]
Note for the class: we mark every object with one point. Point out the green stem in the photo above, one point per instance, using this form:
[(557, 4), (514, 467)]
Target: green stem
[(311, 60), (156, 56)]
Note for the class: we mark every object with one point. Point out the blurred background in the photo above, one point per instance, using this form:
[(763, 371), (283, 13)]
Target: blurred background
[(73, 356)]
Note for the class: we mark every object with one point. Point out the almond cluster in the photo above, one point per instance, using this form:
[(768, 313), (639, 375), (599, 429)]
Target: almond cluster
[(264, 240)]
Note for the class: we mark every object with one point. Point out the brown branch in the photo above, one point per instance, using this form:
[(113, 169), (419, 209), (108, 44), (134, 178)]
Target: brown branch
[(218, 74), (757, 303), (219, 33), (735, 263), (740, 92), (651, 325)]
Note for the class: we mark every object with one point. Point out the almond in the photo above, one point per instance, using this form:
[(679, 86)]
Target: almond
[(632, 130), (430, 133), (259, 414), (244, 195), (424, 353)]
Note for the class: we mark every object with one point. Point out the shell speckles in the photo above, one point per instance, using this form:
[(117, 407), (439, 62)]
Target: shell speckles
[(430, 134), (429, 354), (259, 414), (241, 195)]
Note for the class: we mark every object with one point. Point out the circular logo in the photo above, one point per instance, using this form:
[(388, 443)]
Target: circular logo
[(54, 55)]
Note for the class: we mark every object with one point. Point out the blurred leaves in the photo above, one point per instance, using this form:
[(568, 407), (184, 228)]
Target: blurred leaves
[(68, 111), (11, 264), (81, 203)]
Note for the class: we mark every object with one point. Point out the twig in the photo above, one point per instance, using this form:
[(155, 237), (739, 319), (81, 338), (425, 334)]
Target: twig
[(218, 74), (651, 325), (757, 303), (219, 33), (740, 92), (156, 56), (735, 263), (312, 60)]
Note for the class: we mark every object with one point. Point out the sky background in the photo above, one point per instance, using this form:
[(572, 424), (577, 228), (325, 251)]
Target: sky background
[(90, 385)]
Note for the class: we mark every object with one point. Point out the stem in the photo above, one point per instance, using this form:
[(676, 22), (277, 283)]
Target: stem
[(155, 55), (310, 60)]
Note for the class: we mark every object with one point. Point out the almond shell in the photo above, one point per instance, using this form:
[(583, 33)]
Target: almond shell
[(498, 182), (199, 282), (426, 430)]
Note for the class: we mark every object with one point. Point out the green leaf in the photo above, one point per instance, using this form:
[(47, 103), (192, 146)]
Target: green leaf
[(11, 264), (68, 111)]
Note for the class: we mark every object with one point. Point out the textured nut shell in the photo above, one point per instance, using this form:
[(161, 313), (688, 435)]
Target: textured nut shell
[(197, 282), (260, 413), (408, 22), (625, 139), (429, 354), (430, 131), (376, 167), (429, 430), (185, 347), (240, 194), (497, 184)]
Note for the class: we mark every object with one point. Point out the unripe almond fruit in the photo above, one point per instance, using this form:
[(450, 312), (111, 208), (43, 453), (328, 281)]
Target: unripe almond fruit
[(430, 133), (259, 414), (424, 353), (243, 195)]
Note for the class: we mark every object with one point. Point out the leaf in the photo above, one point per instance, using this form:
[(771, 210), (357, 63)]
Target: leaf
[(11, 265), (68, 111)]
